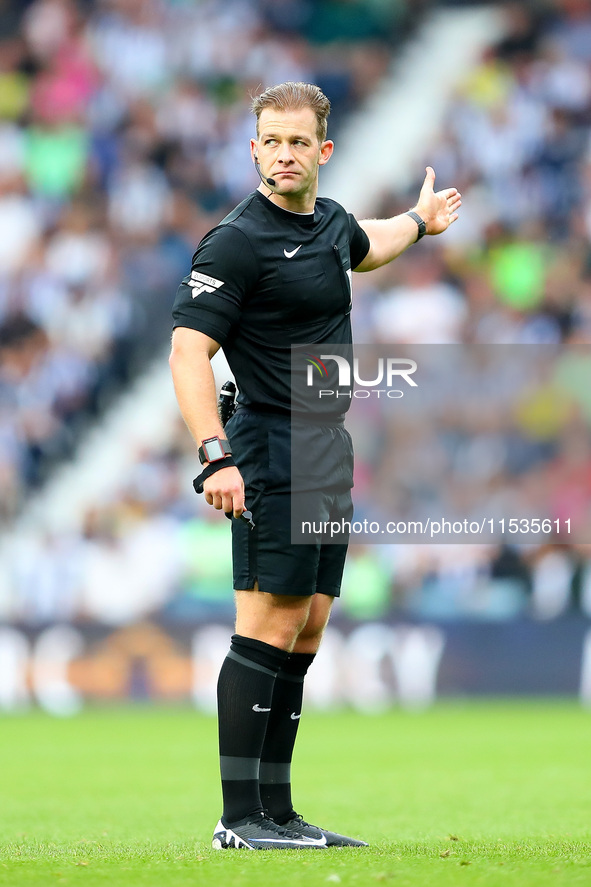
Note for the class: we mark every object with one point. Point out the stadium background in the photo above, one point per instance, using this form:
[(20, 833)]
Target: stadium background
[(123, 137)]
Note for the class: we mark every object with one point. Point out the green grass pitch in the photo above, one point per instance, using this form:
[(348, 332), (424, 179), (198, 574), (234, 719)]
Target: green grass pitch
[(485, 794)]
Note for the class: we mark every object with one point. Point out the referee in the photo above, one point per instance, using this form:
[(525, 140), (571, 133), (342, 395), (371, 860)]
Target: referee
[(276, 273)]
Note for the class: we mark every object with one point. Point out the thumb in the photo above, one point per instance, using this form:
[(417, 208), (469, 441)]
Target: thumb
[(429, 178)]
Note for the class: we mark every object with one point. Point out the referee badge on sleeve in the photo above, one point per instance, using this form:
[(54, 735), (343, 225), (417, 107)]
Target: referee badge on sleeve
[(201, 283)]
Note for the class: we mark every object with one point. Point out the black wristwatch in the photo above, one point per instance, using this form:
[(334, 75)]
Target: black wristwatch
[(420, 222), (213, 449)]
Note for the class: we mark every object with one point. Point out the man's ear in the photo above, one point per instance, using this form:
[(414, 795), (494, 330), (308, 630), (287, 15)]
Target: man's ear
[(253, 150), (326, 150)]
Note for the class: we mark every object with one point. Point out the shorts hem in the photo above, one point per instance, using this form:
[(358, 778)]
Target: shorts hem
[(269, 587)]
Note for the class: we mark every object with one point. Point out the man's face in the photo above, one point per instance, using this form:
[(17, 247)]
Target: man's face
[(289, 151)]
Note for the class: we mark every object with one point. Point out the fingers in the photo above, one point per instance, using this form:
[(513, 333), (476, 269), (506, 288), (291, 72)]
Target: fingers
[(229, 503), (453, 201), (224, 490), (438, 208), (449, 194)]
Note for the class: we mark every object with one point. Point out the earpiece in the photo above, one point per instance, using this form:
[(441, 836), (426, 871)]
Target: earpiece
[(269, 182)]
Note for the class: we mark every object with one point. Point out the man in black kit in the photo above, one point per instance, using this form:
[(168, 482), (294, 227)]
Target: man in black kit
[(276, 273)]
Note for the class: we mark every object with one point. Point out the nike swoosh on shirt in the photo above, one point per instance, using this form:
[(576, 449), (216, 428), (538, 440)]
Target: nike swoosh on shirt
[(291, 254), (295, 717), (256, 707)]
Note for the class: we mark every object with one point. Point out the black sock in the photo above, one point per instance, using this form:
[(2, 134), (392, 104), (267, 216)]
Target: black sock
[(245, 691), (282, 728)]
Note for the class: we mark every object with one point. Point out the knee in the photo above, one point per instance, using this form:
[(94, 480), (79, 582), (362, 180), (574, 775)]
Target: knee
[(275, 620), (310, 636), (308, 641), (287, 628)]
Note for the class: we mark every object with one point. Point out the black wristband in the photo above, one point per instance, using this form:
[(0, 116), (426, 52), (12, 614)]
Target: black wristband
[(211, 469), (420, 222)]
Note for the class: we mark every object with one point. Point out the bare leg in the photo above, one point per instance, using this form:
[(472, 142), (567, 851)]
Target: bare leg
[(310, 636), (273, 618)]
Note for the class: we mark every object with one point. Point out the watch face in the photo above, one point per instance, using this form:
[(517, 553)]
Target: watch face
[(213, 449)]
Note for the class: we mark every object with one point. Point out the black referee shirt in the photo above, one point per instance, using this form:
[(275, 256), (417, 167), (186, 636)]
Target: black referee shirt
[(265, 279)]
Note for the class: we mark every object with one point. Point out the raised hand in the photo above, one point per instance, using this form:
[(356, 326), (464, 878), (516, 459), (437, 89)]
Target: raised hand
[(438, 208)]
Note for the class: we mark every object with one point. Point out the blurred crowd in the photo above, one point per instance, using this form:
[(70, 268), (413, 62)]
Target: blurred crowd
[(516, 269), (157, 548), (123, 129)]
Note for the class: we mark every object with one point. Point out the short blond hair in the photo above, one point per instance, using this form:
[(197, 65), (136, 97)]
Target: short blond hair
[(292, 96)]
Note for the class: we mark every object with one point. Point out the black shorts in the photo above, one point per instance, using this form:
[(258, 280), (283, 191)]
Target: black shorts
[(266, 556)]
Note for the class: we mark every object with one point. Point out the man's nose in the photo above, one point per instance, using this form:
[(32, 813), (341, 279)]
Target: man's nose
[(285, 153)]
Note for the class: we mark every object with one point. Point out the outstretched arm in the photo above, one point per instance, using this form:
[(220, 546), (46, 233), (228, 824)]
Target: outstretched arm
[(389, 238)]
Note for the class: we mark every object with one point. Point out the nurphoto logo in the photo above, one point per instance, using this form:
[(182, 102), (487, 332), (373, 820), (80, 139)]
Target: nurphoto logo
[(388, 370)]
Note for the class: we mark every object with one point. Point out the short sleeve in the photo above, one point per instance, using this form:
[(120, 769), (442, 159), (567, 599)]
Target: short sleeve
[(223, 273), (359, 242)]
